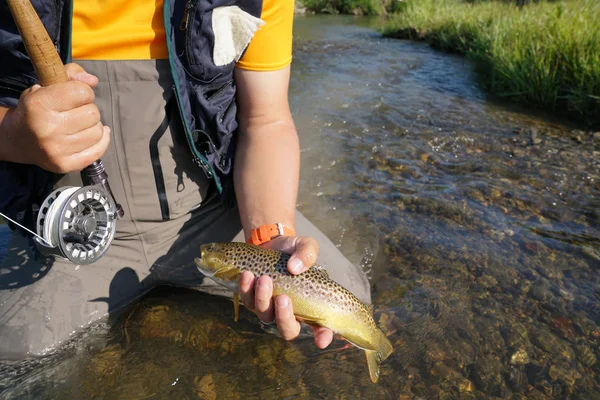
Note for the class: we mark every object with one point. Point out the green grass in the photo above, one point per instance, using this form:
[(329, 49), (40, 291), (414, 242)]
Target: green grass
[(546, 53), (356, 7)]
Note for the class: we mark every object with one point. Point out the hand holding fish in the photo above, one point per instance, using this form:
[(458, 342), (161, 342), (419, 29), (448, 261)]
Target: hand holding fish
[(257, 294), (318, 300)]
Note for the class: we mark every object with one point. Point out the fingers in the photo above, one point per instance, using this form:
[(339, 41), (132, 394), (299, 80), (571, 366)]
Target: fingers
[(80, 118), (82, 159), (257, 296), (64, 96), (287, 325), (323, 336), (76, 73), (246, 287), (85, 139), (67, 96), (264, 299), (29, 90), (59, 97)]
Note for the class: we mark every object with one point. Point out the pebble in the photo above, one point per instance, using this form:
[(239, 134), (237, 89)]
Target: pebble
[(520, 357)]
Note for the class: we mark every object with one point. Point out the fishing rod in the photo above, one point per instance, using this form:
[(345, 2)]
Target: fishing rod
[(74, 223)]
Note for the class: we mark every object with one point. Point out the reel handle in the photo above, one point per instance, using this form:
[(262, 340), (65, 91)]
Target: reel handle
[(41, 50), (95, 174), (50, 70)]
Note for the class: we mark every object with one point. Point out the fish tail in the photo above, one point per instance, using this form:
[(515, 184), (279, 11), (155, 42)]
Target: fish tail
[(373, 363), (385, 347), (376, 357)]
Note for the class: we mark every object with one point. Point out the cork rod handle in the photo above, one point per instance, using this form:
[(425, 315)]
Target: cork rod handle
[(41, 50)]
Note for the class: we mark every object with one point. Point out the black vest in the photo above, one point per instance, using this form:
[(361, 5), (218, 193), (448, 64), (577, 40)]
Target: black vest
[(205, 92)]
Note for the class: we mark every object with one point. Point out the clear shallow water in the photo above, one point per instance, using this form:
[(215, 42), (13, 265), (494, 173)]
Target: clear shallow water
[(478, 225)]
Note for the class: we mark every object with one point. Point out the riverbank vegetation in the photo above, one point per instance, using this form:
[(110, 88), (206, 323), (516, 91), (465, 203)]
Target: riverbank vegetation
[(545, 53), (354, 7)]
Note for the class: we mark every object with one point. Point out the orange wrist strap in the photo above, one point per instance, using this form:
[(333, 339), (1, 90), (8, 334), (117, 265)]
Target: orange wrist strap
[(264, 233)]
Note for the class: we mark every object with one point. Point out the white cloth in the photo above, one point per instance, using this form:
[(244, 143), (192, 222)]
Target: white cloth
[(233, 29)]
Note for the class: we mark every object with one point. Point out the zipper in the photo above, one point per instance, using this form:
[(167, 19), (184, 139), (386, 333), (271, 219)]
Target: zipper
[(204, 165), (198, 158), (219, 90), (190, 8), (186, 16)]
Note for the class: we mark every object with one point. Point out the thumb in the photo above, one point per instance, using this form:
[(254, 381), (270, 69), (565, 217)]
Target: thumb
[(304, 256), (76, 73), (303, 250)]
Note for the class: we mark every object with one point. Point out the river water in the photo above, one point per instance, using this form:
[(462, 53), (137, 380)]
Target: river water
[(478, 224)]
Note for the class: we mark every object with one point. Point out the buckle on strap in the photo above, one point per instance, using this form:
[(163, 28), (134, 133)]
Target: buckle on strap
[(265, 233)]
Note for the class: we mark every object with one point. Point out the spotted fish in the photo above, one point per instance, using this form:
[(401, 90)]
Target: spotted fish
[(317, 299)]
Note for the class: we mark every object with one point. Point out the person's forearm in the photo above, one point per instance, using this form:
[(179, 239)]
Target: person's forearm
[(266, 175)]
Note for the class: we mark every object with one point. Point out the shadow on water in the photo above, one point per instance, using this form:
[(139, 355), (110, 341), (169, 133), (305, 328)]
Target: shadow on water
[(4, 236), (477, 224)]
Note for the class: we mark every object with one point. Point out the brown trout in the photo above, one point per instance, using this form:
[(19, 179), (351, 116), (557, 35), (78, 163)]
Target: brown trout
[(317, 300)]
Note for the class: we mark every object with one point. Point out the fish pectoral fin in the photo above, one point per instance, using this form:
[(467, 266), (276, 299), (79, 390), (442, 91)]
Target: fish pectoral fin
[(228, 274), (236, 306), (310, 320), (373, 363)]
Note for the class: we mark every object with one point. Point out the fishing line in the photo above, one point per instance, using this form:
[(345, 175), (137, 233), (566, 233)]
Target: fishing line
[(28, 230), (52, 216)]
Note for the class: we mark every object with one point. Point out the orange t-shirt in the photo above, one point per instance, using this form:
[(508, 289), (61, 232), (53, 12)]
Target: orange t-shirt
[(130, 30)]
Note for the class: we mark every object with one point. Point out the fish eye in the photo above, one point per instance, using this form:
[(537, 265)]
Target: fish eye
[(210, 247)]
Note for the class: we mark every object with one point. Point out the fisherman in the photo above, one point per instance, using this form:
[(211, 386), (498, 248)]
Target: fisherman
[(140, 73)]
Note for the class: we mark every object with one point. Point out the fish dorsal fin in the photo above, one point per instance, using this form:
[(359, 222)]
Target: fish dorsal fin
[(319, 269), (373, 363)]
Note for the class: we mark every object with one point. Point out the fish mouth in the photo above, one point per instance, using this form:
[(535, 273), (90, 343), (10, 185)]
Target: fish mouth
[(203, 263), (217, 274), (206, 269)]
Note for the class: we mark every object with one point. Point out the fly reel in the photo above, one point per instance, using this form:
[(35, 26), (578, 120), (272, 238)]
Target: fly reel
[(79, 223)]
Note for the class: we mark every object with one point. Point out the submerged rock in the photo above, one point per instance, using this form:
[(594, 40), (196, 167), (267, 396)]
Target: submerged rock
[(520, 357), (517, 380), (566, 375), (585, 355)]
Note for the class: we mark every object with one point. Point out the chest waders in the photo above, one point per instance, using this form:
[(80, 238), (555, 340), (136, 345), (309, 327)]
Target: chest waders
[(78, 223), (168, 119)]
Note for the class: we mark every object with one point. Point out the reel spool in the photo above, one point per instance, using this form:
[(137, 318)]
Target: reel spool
[(77, 223)]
